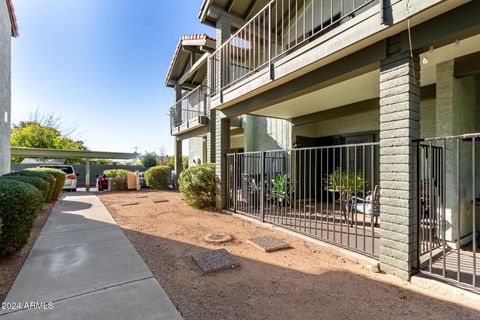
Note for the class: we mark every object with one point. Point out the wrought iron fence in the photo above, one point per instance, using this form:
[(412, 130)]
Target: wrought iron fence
[(191, 106), (329, 193), (280, 27), (448, 201)]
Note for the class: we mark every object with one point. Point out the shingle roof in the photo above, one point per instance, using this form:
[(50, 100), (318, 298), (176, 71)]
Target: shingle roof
[(13, 18), (179, 46)]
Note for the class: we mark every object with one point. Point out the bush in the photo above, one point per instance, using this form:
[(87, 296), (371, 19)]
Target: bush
[(59, 176), (158, 177), (39, 183), (19, 205), (119, 178), (37, 174), (197, 185)]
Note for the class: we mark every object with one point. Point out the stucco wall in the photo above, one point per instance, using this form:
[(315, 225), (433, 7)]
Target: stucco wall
[(5, 91), (353, 123), (196, 150), (363, 122)]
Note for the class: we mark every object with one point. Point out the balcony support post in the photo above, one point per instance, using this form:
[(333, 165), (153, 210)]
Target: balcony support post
[(177, 144), (399, 126)]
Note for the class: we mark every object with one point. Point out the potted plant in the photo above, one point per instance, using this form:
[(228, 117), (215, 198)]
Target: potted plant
[(280, 189), (345, 183)]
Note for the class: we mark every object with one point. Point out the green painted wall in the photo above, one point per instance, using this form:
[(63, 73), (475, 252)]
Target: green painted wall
[(262, 133)]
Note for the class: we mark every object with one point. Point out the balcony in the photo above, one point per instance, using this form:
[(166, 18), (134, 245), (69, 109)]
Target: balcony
[(190, 112), (278, 30)]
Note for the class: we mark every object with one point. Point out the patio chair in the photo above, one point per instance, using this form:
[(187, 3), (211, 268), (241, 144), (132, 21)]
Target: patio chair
[(370, 205)]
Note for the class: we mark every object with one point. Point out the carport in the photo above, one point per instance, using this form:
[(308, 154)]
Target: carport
[(77, 154)]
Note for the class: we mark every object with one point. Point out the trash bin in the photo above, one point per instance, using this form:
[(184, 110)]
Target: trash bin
[(132, 181)]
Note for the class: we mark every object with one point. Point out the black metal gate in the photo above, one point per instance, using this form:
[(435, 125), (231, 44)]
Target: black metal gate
[(329, 193), (448, 201)]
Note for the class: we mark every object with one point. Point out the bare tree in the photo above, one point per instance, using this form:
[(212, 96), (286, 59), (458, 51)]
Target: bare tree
[(51, 120)]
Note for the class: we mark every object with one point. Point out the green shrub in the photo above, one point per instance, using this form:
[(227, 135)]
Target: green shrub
[(119, 179), (19, 205), (158, 177), (197, 185), (59, 176), (37, 174), (37, 182)]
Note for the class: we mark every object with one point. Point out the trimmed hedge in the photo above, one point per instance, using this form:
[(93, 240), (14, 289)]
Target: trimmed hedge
[(37, 182), (197, 185), (119, 179), (19, 204), (37, 174), (158, 177), (59, 176)]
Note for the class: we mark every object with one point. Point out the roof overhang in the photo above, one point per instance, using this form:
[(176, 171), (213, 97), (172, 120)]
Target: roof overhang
[(238, 11), (13, 18), (188, 45)]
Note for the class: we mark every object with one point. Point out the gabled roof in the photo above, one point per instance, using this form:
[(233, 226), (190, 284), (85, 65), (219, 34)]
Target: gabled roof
[(13, 18), (204, 43)]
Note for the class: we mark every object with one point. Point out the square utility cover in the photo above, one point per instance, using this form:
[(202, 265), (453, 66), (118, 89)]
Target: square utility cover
[(215, 260), (269, 243)]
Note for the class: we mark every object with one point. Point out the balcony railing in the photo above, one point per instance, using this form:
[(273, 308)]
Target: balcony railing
[(280, 28), (190, 107)]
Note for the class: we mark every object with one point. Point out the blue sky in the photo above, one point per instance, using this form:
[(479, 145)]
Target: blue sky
[(101, 65)]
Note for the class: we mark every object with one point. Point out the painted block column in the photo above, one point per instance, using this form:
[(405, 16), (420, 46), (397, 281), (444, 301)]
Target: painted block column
[(222, 147), (455, 115), (223, 33), (399, 125), (177, 145)]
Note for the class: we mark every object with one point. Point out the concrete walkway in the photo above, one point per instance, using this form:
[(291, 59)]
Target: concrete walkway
[(85, 266)]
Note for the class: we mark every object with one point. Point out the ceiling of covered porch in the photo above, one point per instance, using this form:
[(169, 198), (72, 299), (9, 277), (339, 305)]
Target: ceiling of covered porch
[(366, 86)]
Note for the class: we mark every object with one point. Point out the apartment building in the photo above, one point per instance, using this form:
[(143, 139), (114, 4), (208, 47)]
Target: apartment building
[(353, 122)]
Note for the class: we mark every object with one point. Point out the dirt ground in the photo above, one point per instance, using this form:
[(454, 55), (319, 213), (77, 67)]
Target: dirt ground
[(10, 266), (306, 282)]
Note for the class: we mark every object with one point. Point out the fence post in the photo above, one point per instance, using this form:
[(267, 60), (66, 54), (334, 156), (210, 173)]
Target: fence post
[(235, 182), (262, 186)]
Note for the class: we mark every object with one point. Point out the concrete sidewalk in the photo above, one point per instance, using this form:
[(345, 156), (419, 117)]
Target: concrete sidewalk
[(85, 266)]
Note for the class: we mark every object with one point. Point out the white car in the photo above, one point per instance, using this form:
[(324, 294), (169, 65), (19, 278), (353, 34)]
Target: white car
[(71, 177)]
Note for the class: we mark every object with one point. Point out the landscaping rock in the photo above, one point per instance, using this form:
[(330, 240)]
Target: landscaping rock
[(269, 243), (215, 260)]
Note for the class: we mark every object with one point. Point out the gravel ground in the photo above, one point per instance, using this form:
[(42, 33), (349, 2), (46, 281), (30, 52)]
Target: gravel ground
[(305, 282), (10, 266)]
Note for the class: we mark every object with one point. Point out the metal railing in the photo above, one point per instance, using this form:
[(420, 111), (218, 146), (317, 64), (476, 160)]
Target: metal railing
[(191, 106), (280, 27), (448, 204), (329, 193)]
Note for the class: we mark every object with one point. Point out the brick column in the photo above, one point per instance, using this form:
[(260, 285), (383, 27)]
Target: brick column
[(222, 147), (399, 125)]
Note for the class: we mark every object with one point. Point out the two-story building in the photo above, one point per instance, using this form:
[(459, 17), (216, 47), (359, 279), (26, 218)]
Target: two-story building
[(8, 29), (360, 125)]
